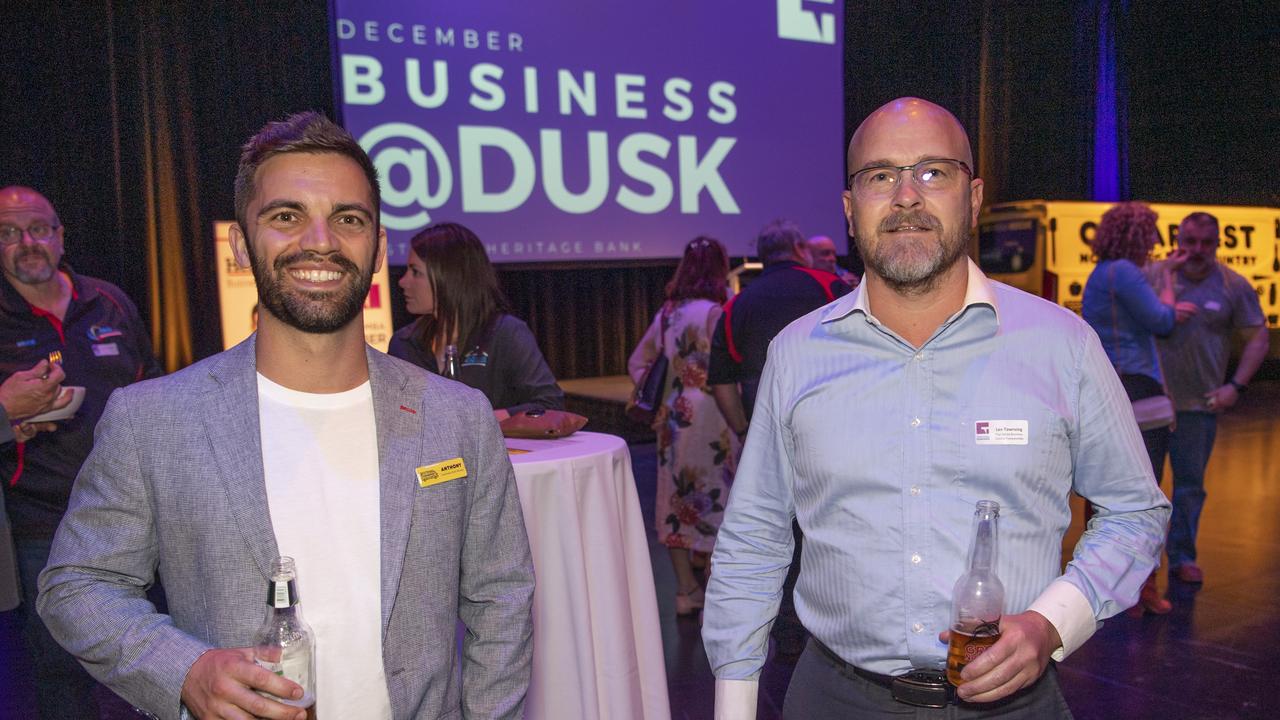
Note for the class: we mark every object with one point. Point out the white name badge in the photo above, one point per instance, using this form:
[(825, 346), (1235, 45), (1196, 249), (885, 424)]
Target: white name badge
[(106, 350), (1001, 432)]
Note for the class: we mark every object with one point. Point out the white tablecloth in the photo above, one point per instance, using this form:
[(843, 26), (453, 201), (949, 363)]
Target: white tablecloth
[(596, 638)]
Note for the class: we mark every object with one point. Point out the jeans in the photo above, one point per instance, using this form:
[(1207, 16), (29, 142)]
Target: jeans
[(63, 688), (1189, 448)]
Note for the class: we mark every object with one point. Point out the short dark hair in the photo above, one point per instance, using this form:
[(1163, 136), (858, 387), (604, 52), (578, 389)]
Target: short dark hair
[(1201, 219), (777, 241), (465, 285), (305, 132), (702, 272)]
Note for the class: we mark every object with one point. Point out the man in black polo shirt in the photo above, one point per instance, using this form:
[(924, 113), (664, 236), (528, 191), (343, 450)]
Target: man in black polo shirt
[(785, 290), (45, 307)]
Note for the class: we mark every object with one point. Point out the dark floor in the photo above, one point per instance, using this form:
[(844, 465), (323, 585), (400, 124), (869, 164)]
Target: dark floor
[(1206, 660)]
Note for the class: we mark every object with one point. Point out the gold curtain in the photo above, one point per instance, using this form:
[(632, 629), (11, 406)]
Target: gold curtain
[(168, 192)]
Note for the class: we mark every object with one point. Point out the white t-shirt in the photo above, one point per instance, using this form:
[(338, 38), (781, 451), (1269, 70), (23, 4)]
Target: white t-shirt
[(320, 459)]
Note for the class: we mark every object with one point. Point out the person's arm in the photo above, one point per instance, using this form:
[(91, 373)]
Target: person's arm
[(752, 555), (527, 373), (1115, 555), (148, 365), (1257, 343), (93, 591), (496, 585), (1153, 312), (722, 378), (646, 351)]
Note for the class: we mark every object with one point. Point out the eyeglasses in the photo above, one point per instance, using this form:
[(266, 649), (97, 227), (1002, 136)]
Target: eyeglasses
[(932, 176), (40, 232)]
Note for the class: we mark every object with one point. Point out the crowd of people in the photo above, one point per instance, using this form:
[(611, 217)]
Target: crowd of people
[(821, 440)]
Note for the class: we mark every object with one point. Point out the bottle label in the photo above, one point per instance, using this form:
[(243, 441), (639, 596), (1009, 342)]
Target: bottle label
[(281, 594), (295, 666)]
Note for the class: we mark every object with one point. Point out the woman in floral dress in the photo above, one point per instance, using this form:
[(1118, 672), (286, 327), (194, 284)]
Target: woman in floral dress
[(696, 450)]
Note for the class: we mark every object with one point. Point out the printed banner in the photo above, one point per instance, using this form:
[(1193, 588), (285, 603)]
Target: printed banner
[(567, 131)]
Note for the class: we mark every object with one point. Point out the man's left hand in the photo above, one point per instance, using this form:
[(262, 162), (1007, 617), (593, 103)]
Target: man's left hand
[(1222, 398), (1017, 659), (23, 432)]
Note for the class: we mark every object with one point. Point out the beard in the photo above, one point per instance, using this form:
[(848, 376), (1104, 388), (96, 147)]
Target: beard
[(33, 276), (309, 311), (913, 265)]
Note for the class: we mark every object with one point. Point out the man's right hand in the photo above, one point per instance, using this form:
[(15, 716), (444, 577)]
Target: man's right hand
[(31, 392), (221, 684)]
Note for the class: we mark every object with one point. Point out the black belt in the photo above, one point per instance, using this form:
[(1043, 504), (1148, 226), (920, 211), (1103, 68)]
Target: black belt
[(921, 687)]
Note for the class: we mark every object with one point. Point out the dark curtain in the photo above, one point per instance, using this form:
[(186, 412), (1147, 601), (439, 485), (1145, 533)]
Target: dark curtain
[(129, 116)]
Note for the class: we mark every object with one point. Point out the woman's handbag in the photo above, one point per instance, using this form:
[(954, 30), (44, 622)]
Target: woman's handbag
[(643, 407), (1154, 409)]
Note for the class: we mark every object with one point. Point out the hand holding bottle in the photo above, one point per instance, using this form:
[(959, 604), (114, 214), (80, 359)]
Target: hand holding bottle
[(225, 683), (1017, 659)]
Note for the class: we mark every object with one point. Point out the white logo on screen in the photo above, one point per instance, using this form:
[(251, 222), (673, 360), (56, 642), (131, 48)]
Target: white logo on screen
[(797, 23)]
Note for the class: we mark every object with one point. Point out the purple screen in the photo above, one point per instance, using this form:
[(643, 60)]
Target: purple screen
[(567, 131)]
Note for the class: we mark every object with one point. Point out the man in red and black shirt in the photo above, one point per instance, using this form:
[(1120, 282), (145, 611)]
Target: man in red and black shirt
[(785, 290), (45, 307)]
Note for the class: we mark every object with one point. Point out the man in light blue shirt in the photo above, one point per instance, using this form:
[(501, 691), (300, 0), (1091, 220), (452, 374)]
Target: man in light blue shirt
[(869, 431)]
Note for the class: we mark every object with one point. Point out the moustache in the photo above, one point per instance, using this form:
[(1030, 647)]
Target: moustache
[(918, 218), (307, 256)]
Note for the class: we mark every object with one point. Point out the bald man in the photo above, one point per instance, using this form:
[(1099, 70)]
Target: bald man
[(881, 420), (102, 345), (823, 251)]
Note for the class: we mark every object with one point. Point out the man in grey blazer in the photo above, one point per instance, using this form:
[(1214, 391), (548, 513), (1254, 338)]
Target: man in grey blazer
[(208, 474)]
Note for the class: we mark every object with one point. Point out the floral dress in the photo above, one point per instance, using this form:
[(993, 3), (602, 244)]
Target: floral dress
[(697, 453)]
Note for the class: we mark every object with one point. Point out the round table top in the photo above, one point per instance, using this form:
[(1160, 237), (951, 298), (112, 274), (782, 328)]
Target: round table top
[(578, 445)]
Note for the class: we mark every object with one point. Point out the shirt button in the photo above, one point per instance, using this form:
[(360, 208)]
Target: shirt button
[(917, 628), (915, 422), (915, 558), (915, 490), (919, 356)]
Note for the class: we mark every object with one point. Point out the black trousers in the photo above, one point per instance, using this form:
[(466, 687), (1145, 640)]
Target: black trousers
[(821, 689)]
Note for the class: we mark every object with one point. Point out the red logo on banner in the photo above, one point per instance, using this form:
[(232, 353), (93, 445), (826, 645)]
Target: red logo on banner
[(375, 296)]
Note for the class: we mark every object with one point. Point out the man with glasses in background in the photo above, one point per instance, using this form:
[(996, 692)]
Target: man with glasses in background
[(53, 321), (881, 419)]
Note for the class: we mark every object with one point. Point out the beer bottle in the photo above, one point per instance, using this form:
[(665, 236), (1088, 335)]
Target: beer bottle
[(978, 599), (285, 644), (451, 362)]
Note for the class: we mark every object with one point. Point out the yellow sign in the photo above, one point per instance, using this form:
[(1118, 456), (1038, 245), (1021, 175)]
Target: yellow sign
[(1041, 246), (429, 475), (238, 296)]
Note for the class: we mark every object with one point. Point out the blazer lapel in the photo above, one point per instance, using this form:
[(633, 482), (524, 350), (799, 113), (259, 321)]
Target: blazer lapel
[(230, 420), (397, 413)]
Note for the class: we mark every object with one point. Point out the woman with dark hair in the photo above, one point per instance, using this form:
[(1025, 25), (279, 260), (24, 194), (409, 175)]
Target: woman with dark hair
[(1120, 305), (696, 451), (452, 286)]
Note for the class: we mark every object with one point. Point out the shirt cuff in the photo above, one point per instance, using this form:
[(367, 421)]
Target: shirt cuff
[(1068, 610), (736, 699)]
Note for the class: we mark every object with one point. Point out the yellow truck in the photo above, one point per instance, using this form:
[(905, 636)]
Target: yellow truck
[(1041, 246)]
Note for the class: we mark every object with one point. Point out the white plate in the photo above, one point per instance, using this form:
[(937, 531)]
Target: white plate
[(77, 397)]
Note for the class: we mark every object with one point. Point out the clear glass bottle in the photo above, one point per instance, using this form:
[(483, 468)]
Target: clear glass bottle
[(450, 369), (977, 602), (285, 643)]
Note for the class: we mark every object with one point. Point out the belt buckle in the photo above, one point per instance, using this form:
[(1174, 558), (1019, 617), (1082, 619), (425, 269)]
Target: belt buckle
[(922, 688)]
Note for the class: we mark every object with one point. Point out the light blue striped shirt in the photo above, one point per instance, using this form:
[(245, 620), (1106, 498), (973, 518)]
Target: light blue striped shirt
[(873, 445)]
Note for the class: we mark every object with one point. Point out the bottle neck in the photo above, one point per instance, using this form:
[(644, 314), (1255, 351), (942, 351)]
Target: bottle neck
[(984, 542), (282, 595)]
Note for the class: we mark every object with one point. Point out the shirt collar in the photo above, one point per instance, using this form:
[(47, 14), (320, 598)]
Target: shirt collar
[(978, 291)]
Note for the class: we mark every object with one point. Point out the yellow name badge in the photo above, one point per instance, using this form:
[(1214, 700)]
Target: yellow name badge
[(429, 475)]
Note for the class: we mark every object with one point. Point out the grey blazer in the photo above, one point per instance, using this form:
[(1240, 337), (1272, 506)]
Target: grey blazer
[(175, 484)]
